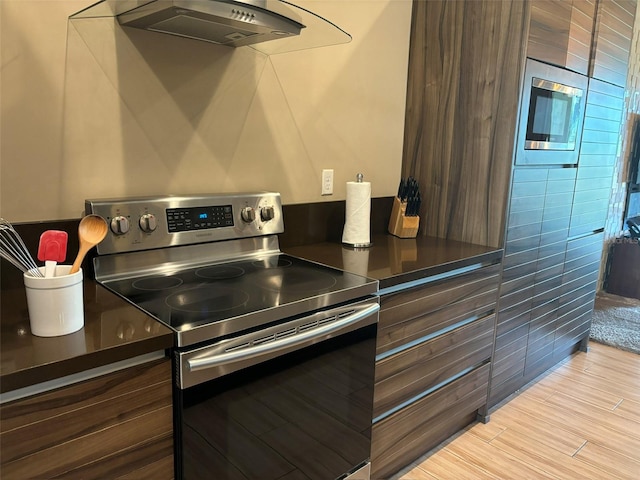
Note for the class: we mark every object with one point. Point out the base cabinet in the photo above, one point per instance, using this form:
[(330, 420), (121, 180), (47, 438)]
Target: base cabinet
[(407, 434), (119, 425), (432, 368)]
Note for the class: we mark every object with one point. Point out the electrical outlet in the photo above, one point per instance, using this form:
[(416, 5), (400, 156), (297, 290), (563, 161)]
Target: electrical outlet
[(327, 182)]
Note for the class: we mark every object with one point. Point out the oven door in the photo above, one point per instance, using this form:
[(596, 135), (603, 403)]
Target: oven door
[(294, 400)]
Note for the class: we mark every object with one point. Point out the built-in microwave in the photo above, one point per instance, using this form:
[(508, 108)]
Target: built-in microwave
[(551, 115)]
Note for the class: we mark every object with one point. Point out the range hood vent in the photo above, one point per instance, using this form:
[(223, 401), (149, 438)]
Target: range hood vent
[(222, 22), (267, 26)]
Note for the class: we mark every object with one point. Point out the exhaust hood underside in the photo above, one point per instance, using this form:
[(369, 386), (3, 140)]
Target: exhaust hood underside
[(220, 22), (269, 26)]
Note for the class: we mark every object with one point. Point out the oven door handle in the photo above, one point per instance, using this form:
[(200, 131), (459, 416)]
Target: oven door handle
[(347, 323)]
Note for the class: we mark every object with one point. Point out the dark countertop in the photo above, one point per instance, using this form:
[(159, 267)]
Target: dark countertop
[(394, 261), (113, 331)]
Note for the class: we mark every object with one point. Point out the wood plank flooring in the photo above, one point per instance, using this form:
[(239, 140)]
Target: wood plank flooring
[(581, 420)]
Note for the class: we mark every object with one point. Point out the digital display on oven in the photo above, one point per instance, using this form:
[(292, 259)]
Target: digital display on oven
[(199, 218)]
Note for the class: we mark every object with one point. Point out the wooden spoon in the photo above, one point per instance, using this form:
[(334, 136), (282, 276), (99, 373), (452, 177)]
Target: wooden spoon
[(91, 231)]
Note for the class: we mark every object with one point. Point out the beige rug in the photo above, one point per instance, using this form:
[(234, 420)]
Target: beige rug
[(616, 322)]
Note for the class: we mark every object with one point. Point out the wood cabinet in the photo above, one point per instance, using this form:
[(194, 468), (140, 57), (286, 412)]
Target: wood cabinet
[(533, 264), (465, 70), (598, 156), (560, 32), (612, 40), (433, 357), (592, 37), (114, 426), (465, 64), (553, 248)]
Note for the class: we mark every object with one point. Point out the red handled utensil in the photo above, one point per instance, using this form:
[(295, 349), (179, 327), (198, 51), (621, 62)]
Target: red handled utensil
[(52, 249)]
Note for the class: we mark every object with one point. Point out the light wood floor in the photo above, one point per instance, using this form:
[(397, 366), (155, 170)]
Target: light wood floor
[(580, 421)]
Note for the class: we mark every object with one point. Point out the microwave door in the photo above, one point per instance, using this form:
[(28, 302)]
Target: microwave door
[(551, 115)]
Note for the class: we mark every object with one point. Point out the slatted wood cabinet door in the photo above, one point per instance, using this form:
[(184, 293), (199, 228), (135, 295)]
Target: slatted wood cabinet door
[(434, 347), (560, 32), (612, 40), (119, 425)]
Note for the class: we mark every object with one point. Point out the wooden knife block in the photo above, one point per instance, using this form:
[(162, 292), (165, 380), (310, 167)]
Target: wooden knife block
[(400, 225)]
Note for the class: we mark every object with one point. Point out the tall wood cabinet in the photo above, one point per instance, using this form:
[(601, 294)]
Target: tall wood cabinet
[(465, 64), (554, 236), (465, 73)]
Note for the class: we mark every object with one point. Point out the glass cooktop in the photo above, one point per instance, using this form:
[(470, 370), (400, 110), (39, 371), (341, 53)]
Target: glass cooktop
[(239, 295)]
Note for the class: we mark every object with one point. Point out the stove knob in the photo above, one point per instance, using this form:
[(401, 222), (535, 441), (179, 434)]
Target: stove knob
[(248, 214), (148, 222), (267, 213), (119, 225)]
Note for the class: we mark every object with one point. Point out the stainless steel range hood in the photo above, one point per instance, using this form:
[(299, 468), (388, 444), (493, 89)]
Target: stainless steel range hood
[(223, 22), (269, 26)]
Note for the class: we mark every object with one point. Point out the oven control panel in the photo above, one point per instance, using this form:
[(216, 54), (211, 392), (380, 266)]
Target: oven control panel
[(144, 223)]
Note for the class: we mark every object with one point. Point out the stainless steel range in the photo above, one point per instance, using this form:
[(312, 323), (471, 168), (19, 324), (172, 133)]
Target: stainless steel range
[(274, 355)]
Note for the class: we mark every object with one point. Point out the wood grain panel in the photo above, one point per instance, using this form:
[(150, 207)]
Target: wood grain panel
[(66, 457), (503, 384), (75, 423), (597, 157), (526, 217), (544, 309), (521, 245), (151, 460), (516, 279), (465, 65), (549, 31), (512, 339), (560, 33), (549, 267), (436, 321), (58, 402), (409, 433), (513, 306), (424, 310), (612, 41), (500, 391), (580, 35), (541, 327), (413, 372), (105, 427)]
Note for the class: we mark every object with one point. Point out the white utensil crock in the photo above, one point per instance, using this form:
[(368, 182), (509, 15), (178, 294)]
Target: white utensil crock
[(56, 305)]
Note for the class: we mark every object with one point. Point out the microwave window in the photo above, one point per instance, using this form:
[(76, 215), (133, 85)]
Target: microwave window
[(550, 118), (553, 116)]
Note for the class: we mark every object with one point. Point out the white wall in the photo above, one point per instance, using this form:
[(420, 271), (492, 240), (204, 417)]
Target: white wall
[(91, 110)]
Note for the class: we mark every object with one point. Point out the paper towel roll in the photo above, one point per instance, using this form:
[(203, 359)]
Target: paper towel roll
[(357, 216)]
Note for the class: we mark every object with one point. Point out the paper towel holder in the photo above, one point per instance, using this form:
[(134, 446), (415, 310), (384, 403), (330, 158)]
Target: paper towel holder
[(362, 245)]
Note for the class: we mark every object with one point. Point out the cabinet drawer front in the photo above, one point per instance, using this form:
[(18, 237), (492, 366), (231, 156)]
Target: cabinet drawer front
[(411, 372), (94, 429), (418, 312), (407, 434)]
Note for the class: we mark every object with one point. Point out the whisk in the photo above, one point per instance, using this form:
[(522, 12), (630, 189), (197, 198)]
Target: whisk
[(13, 249)]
